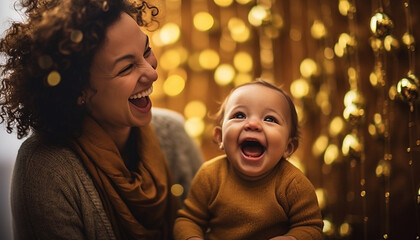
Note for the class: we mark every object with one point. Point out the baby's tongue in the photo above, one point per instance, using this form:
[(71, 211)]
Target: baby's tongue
[(252, 150), (140, 102)]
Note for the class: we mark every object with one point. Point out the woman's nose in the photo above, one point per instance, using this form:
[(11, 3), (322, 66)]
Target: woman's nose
[(148, 72), (253, 125)]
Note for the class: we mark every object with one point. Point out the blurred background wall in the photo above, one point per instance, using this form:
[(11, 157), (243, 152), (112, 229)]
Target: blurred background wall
[(352, 67), (9, 143)]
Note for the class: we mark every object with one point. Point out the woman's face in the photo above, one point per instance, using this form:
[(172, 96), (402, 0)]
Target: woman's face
[(121, 78)]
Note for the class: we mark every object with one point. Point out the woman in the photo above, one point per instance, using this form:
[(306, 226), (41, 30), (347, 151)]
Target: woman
[(78, 75)]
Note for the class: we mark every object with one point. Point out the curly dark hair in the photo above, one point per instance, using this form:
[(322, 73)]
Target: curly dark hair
[(56, 42)]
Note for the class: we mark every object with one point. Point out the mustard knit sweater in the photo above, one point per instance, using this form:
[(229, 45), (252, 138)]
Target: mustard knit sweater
[(229, 207)]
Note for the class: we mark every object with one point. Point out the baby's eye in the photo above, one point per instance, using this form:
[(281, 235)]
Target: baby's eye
[(239, 115), (271, 119), (125, 69)]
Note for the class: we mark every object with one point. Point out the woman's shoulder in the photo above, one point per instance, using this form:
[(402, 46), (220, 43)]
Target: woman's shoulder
[(39, 153), (39, 161), (51, 178)]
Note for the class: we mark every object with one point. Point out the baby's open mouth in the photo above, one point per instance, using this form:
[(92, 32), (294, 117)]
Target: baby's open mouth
[(252, 148)]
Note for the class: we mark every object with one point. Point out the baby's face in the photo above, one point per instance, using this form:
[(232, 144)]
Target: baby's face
[(256, 129)]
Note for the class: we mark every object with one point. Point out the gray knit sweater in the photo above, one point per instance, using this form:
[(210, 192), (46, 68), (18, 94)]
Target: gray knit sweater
[(53, 196)]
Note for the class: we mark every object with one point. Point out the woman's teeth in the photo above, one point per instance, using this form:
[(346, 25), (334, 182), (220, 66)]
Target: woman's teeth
[(142, 94)]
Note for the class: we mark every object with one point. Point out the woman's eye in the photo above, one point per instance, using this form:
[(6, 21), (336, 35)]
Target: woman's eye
[(125, 69), (147, 52), (271, 119), (238, 115)]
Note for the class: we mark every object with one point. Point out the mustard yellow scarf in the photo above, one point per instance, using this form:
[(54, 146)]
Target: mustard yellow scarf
[(138, 203)]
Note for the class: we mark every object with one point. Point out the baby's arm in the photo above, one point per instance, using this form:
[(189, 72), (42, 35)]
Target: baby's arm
[(304, 214)]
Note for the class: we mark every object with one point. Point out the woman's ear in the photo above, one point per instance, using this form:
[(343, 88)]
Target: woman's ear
[(81, 100), (291, 147), (217, 136)]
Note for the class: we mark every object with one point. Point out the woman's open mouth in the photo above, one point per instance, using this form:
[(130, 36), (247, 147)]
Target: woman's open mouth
[(141, 101)]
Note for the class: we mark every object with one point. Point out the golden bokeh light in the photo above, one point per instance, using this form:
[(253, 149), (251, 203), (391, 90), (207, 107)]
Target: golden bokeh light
[(224, 74), (194, 126), (338, 50), (257, 14), (195, 109), (299, 88), (239, 32), (203, 21), (169, 33), (318, 30), (351, 145), (336, 126), (223, 3), (331, 154), (243, 62), (76, 36), (321, 196), (177, 190), (344, 7), (328, 228), (345, 229), (320, 145), (407, 39), (391, 43), (328, 53), (353, 97), (208, 59), (308, 68), (53, 78), (373, 79), (173, 85), (353, 113), (383, 169)]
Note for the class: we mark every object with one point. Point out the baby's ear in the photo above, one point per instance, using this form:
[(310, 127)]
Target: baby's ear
[(291, 147), (217, 136)]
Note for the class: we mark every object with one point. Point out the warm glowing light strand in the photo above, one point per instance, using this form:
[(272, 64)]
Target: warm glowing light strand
[(354, 85), (412, 128), (381, 74)]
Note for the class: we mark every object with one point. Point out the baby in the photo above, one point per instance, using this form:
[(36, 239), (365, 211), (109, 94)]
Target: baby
[(252, 192)]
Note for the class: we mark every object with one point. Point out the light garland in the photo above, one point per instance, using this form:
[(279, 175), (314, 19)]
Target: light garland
[(354, 113), (408, 90), (381, 26)]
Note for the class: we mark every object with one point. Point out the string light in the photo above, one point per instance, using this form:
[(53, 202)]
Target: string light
[(408, 90), (381, 27)]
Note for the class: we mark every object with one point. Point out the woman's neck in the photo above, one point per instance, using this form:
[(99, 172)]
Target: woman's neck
[(119, 136)]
